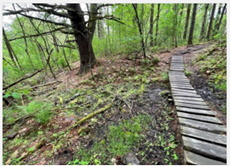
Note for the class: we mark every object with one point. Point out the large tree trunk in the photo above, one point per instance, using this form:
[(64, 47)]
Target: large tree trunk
[(83, 37), (211, 20), (151, 24), (187, 21), (192, 24), (157, 19), (202, 33)]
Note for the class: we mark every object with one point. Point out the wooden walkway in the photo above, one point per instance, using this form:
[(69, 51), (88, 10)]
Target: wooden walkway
[(203, 135)]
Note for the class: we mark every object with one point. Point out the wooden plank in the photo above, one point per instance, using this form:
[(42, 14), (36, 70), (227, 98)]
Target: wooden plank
[(205, 148), (204, 135), (182, 87), (190, 102), (177, 69), (185, 91), (187, 98), (195, 159), (199, 117), (196, 111), (185, 94), (182, 78), (215, 128), (204, 107), (180, 83)]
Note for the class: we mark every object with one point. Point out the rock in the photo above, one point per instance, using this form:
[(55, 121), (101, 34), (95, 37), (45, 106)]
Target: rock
[(208, 72), (132, 159), (11, 135)]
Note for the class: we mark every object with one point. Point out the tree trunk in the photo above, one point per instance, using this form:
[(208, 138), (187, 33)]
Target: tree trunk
[(187, 21), (83, 37), (192, 24), (211, 20), (221, 17), (140, 29), (175, 25), (10, 51), (202, 33), (26, 45), (157, 19), (151, 24), (181, 12)]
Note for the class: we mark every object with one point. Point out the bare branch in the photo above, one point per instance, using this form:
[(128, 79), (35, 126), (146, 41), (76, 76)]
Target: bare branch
[(108, 17), (104, 5), (35, 35), (44, 20)]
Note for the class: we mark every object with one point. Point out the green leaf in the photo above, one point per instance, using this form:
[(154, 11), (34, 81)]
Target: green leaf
[(16, 95)]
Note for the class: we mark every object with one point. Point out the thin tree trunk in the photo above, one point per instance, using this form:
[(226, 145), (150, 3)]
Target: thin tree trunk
[(48, 63), (187, 21), (140, 29), (175, 25), (192, 24), (211, 20), (151, 24), (221, 17), (157, 19), (181, 12), (202, 33), (26, 45), (10, 51)]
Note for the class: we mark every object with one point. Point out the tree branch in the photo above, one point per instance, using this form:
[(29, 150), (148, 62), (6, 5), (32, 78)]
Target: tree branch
[(35, 35), (104, 5)]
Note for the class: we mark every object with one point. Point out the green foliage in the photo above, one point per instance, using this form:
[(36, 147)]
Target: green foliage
[(187, 73), (165, 76)]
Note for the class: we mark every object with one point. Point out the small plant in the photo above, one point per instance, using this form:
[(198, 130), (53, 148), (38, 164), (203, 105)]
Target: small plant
[(187, 73), (165, 77)]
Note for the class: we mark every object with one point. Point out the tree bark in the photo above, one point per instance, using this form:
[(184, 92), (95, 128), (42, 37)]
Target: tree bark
[(10, 51), (221, 17), (202, 33), (83, 37), (211, 20), (157, 19), (151, 24), (187, 21), (192, 24), (175, 25), (26, 45), (140, 29), (181, 12)]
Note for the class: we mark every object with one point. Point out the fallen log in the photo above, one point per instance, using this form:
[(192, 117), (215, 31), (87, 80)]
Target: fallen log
[(22, 79)]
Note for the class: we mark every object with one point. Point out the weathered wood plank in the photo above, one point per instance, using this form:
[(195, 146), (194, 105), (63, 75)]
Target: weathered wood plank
[(182, 87), (205, 148), (190, 102), (187, 98), (204, 135), (179, 84), (185, 94), (195, 159), (203, 125), (185, 91), (196, 111), (204, 107), (199, 117)]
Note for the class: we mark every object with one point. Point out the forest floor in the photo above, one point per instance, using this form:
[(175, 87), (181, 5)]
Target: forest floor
[(133, 119)]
